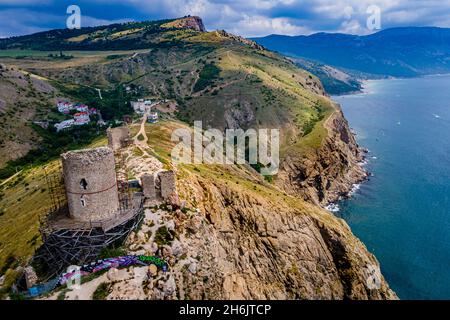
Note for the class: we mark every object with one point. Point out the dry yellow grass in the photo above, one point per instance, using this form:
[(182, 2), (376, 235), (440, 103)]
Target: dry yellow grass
[(25, 199)]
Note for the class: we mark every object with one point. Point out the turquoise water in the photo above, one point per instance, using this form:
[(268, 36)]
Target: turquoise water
[(402, 213)]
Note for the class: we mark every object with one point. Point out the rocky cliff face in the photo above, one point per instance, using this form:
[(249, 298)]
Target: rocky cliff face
[(243, 238), (238, 244), (189, 22), (328, 173), (257, 248)]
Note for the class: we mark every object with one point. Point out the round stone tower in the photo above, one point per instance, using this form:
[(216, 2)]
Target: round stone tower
[(90, 182)]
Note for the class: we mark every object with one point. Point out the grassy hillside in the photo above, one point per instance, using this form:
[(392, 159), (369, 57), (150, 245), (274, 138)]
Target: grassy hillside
[(221, 79), (132, 35), (23, 98), (335, 81), (226, 81)]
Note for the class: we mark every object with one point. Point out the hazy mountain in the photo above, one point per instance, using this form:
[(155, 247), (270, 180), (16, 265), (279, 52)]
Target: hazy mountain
[(400, 52)]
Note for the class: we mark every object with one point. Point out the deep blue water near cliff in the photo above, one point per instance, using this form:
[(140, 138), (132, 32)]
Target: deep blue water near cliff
[(402, 213)]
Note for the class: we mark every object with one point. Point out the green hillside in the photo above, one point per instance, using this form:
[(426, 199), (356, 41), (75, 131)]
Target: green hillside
[(224, 80)]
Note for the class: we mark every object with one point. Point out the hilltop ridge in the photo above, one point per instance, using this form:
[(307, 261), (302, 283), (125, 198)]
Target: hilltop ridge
[(189, 22), (119, 36)]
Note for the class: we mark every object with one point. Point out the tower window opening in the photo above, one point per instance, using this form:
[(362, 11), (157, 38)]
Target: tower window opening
[(83, 201), (83, 184)]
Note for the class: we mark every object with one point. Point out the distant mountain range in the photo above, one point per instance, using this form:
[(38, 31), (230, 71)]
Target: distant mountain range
[(397, 52)]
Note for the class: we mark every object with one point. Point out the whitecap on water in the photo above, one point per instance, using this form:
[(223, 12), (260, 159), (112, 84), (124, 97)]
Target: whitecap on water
[(363, 163), (332, 207), (355, 188)]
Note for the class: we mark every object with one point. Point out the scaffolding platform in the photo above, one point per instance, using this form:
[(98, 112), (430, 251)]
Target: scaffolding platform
[(60, 220), (68, 242)]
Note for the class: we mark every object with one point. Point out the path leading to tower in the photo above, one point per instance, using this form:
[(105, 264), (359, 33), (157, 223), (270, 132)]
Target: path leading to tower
[(145, 162), (142, 144)]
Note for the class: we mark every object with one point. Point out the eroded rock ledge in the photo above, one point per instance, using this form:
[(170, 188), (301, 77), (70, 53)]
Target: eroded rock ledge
[(255, 247), (328, 173)]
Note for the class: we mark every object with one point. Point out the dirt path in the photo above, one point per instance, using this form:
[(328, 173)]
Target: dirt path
[(99, 93), (142, 144), (145, 162)]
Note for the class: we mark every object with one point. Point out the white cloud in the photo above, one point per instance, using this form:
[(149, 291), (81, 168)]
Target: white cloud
[(261, 17), (352, 27), (253, 26)]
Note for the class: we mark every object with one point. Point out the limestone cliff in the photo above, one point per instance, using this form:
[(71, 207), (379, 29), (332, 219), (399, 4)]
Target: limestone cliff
[(261, 247), (245, 242), (240, 237), (189, 22), (330, 171)]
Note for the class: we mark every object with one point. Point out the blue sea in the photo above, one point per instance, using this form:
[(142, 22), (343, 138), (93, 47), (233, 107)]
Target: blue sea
[(402, 213)]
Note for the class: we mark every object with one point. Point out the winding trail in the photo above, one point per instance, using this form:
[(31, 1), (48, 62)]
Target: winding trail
[(142, 144)]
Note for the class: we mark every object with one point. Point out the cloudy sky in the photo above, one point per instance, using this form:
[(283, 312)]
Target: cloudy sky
[(243, 17)]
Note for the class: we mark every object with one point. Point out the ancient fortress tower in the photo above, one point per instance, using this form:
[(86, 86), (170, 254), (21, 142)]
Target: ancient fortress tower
[(90, 182)]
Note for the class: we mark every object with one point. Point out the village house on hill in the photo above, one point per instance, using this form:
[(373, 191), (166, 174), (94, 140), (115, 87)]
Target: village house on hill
[(81, 117)]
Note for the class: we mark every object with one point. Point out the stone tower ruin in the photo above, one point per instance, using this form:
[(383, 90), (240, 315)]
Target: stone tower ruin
[(90, 182)]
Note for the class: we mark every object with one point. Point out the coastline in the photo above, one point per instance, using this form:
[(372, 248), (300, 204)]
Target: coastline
[(407, 193), (333, 206), (353, 184)]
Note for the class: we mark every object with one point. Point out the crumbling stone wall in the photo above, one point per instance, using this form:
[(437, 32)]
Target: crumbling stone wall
[(168, 187), (118, 137), (149, 186), (159, 187), (90, 182)]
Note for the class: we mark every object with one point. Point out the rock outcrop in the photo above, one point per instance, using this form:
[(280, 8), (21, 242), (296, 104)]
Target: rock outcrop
[(189, 22), (255, 247), (239, 245), (328, 173), (240, 39)]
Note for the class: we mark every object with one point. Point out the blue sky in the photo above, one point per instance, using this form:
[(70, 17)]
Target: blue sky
[(244, 17)]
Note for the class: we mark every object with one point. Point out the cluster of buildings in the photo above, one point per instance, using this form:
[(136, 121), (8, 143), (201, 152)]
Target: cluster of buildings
[(81, 113), (141, 106), (145, 107), (81, 117)]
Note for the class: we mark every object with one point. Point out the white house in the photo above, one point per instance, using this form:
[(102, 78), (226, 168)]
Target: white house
[(64, 107), (64, 125), (141, 106), (81, 118)]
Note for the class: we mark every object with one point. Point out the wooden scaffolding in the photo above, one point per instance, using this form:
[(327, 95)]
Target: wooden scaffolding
[(67, 242)]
